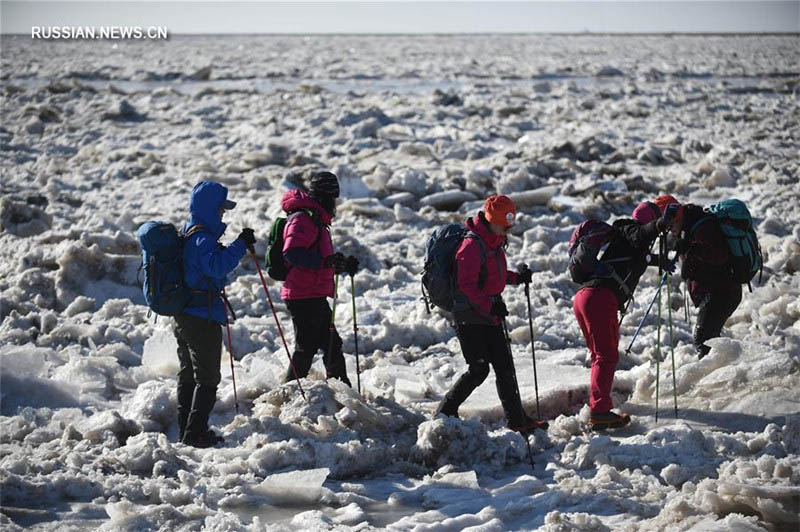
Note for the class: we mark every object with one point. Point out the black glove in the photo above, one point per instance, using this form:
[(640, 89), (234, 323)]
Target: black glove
[(337, 261), (524, 274), (248, 237), (682, 246), (665, 223), (499, 309), (667, 265), (351, 265)]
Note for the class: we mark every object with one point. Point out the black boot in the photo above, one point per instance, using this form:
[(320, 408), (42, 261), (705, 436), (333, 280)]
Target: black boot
[(197, 433), (301, 363), (516, 418), (185, 397), (462, 389)]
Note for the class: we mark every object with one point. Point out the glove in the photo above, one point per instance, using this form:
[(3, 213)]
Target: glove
[(248, 237), (665, 223), (524, 274), (682, 246), (351, 265), (667, 265), (335, 261), (499, 309)]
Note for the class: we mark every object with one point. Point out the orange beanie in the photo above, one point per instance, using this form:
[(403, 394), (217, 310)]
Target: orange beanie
[(500, 210), (663, 201)]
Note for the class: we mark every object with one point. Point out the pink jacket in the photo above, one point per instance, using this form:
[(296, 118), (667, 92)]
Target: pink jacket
[(306, 244), (468, 266)]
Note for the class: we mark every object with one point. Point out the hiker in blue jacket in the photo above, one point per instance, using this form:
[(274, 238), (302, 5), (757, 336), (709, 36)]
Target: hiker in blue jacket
[(206, 264)]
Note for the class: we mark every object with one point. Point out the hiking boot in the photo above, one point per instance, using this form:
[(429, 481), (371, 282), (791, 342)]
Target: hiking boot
[(203, 440), (442, 410), (529, 425), (608, 420)]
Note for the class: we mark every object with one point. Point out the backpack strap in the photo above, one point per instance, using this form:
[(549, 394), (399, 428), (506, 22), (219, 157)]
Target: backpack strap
[(314, 218), (484, 272)]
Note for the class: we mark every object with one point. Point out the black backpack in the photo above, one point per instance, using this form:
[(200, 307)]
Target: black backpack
[(439, 272), (276, 267)]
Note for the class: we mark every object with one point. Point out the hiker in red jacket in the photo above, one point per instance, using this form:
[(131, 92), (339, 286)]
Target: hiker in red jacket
[(308, 251), (479, 313), (704, 252), (608, 291)]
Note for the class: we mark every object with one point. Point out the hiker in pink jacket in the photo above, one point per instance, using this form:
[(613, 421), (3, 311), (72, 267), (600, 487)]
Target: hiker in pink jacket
[(479, 313), (308, 251)]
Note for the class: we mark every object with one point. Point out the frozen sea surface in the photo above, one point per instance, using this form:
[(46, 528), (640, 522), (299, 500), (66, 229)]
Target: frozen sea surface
[(98, 137)]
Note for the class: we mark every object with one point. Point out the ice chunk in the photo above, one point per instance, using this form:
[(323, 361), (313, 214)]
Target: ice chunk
[(294, 487), (159, 354)]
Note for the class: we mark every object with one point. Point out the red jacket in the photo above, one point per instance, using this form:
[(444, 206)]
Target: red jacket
[(306, 243), (469, 260)]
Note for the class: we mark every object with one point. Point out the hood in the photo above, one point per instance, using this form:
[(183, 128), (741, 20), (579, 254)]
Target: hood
[(296, 200), (206, 200), (480, 227)]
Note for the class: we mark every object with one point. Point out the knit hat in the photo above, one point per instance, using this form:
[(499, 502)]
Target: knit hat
[(500, 210), (646, 212), (663, 201), (324, 184)]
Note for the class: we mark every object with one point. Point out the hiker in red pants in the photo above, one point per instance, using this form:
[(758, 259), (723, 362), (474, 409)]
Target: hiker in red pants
[(610, 288)]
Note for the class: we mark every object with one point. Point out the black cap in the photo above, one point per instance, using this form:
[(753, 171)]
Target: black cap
[(324, 184)]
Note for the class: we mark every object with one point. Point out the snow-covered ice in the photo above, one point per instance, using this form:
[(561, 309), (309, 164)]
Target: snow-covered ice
[(98, 137)]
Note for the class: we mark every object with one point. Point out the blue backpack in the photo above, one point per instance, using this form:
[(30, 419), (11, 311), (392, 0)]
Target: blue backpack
[(737, 225), (165, 290), (439, 272)]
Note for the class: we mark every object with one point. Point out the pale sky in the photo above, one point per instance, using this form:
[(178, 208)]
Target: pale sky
[(641, 16)]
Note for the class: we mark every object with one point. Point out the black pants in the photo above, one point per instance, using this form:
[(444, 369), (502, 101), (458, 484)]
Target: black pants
[(311, 319), (199, 352), (483, 345), (714, 309)]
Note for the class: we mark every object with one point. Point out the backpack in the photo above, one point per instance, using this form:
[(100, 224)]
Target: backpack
[(276, 267), (587, 241), (439, 272), (737, 225), (165, 290)]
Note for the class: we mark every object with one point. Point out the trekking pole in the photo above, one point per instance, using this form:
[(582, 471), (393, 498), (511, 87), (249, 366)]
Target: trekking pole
[(533, 348), (355, 330), (658, 327), (672, 347), (686, 314), (233, 375), (516, 384), (278, 323), (647, 313), (332, 325)]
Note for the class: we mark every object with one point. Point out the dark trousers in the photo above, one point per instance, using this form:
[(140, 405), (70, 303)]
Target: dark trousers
[(484, 345), (714, 309), (199, 352), (313, 330)]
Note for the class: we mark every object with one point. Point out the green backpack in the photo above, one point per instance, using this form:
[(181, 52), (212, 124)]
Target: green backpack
[(737, 225), (276, 267)]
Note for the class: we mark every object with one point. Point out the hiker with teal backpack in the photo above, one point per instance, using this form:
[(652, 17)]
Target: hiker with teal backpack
[(307, 264), (198, 327), (720, 252), (479, 312)]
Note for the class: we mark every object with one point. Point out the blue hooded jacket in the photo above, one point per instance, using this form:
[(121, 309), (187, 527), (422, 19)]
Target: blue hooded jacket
[(206, 262)]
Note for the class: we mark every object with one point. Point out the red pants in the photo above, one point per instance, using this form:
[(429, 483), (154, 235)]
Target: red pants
[(596, 310)]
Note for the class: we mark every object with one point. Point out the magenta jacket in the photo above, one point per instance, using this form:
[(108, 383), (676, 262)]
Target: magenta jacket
[(468, 267), (306, 243)]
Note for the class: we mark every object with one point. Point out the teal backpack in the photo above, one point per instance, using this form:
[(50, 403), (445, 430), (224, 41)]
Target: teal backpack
[(737, 226)]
